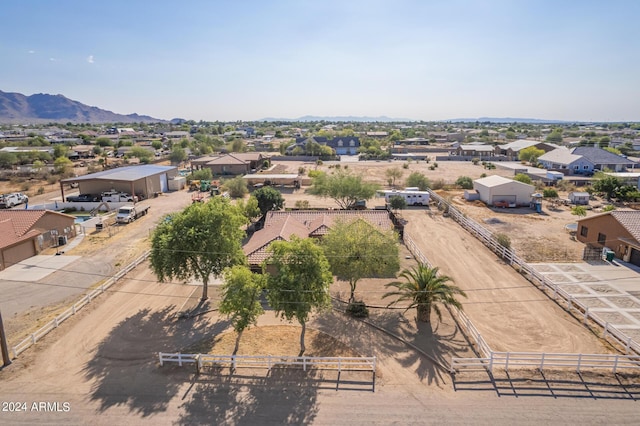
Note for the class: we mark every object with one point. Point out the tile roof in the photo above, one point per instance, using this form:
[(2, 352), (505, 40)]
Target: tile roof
[(9, 236), (630, 220), (281, 225), (22, 220)]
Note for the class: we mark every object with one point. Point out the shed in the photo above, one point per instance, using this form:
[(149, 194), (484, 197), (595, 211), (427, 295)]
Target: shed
[(580, 198), (142, 180), (493, 189)]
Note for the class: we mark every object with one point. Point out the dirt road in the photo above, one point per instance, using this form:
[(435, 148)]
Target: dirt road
[(100, 368), (510, 313)]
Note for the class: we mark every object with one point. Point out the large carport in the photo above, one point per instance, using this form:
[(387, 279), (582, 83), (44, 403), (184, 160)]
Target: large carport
[(144, 180)]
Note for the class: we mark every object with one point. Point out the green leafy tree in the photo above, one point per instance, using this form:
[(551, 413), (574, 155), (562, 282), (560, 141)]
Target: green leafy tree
[(201, 174), (8, 160), (613, 150), (424, 289), (300, 283), (358, 250), (241, 298), (464, 182), (156, 145), (419, 180), (200, 241), (104, 142), (397, 202), (60, 150), (606, 184), (555, 136), (530, 154), (62, 166), (550, 193), (250, 208), (393, 174), (178, 155), (344, 187), (580, 211), (141, 153), (268, 199), (521, 177), (237, 187)]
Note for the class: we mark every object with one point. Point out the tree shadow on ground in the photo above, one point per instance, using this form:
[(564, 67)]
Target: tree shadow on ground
[(287, 395), (124, 370), (435, 347), (553, 384)]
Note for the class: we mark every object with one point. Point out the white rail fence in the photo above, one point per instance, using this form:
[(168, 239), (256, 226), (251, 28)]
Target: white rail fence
[(541, 361), (486, 236), (269, 361), (85, 300)]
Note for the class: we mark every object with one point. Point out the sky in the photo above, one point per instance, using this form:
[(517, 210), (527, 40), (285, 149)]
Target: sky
[(576, 60)]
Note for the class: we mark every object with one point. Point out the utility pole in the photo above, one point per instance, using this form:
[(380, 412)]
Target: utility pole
[(3, 344)]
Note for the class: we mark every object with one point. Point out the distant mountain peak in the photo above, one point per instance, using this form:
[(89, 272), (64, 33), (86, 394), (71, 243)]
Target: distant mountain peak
[(44, 108), (339, 118)]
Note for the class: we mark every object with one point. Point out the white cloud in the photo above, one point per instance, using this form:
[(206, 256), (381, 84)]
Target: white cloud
[(32, 51), (52, 59), (90, 59)]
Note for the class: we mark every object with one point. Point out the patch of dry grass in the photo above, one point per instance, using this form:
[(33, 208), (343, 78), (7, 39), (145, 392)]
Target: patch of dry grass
[(273, 340)]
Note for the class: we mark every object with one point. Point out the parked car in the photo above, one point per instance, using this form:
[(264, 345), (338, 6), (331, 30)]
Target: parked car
[(82, 198), (9, 200)]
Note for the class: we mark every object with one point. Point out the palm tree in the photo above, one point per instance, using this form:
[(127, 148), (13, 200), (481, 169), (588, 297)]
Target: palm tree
[(424, 288)]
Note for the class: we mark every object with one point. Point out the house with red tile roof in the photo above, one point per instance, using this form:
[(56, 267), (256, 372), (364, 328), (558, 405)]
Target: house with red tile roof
[(25, 233), (281, 225)]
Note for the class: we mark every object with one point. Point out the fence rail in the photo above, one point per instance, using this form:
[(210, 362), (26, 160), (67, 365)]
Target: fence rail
[(269, 361), (541, 361), (539, 280), (53, 324)]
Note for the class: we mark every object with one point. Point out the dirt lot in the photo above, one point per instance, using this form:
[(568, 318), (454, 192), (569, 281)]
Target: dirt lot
[(102, 361)]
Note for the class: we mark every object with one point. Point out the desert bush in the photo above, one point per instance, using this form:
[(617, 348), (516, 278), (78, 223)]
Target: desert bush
[(358, 309), (437, 184), (503, 240)]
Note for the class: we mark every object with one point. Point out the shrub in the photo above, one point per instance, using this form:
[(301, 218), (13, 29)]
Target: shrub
[(302, 204), (521, 177), (301, 170), (475, 161), (405, 166), (550, 193), (503, 240), (464, 182), (358, 309), (437, 184), (608, 208), (40, 190)]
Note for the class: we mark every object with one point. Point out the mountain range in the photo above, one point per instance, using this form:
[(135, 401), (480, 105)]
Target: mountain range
[(380, 119), (16, 108)]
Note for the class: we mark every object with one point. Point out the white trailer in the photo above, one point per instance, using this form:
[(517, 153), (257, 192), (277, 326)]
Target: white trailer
[(413, 198)]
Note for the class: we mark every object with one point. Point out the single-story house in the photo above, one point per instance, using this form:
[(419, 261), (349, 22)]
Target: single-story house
[(237, 163), (617, 230), (25, 233), (142, 180), (584, 160), (564, 159), (579, 198), (473, 150), (512, 149), (281, 225), (603, 159), (493, 189)]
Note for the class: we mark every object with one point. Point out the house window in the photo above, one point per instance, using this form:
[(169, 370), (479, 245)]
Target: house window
[(585, 167), (602, 238), (576, 167), (584, 231)]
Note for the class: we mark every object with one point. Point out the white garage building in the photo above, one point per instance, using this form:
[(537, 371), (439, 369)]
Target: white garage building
[(494, 189)]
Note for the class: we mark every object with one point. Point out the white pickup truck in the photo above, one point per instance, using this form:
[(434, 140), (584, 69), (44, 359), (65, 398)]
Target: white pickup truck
[(9, 200), (127, 214), (118, 197)]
